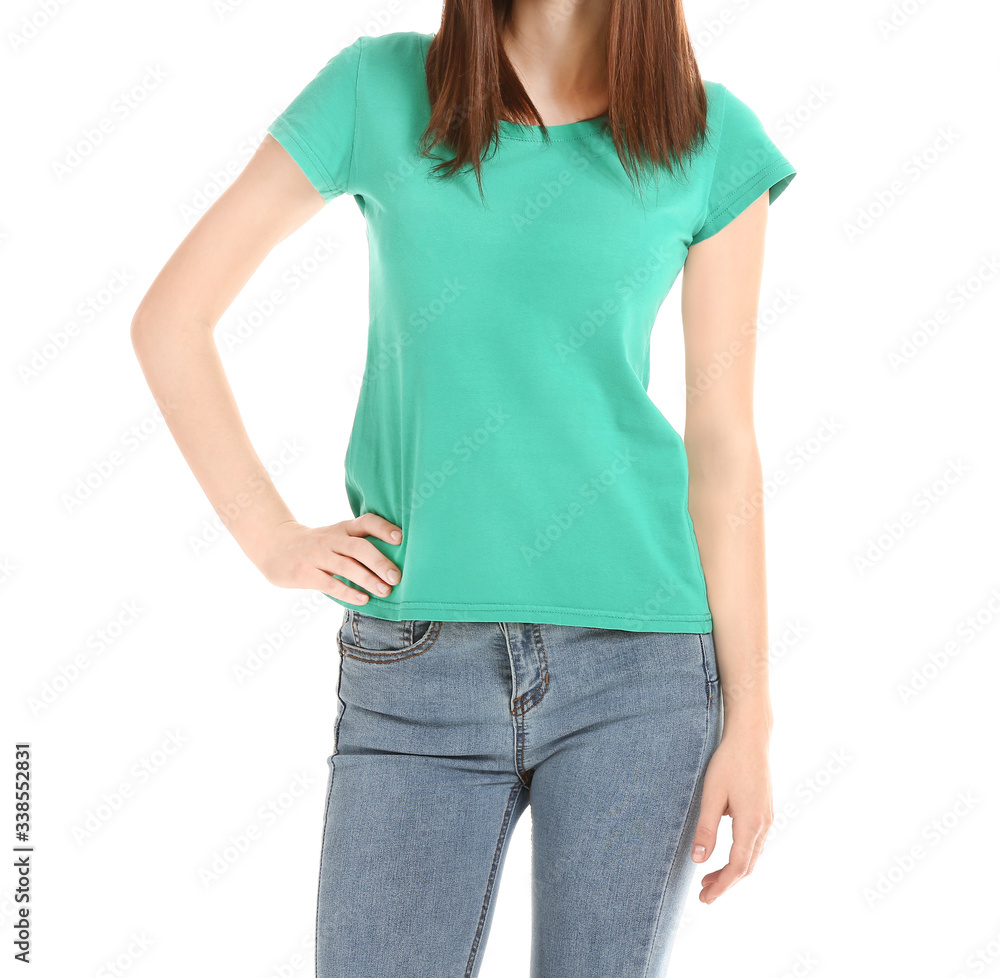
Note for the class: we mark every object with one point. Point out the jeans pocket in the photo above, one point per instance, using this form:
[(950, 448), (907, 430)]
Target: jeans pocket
[(710, 666), (372, 639)]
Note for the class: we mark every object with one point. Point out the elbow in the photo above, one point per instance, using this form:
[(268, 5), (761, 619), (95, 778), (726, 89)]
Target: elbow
[(135, 333), (139, 329), (162, 327)]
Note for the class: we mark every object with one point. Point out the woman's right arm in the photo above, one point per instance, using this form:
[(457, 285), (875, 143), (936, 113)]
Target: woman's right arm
[(172, 334)]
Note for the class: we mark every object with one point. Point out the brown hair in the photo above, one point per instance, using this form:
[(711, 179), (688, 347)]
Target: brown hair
[(657, 107)]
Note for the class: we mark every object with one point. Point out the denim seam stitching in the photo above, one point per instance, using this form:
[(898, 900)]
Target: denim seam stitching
[(520, 708), (515, 793), (326, 808), (322, 849), (522, 773), (394, 655), (710, 683), (673, 857), (533, 697)]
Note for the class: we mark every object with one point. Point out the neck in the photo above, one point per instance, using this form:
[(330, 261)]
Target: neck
[(558, 49)]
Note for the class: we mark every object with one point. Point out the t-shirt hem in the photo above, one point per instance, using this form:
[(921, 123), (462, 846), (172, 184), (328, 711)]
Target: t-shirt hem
[(773, 178), (307, 161), (542, 614)]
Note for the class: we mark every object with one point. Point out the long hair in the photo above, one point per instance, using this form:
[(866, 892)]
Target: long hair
[(657, 108)]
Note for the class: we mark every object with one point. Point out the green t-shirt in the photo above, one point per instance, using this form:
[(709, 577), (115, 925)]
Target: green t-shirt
[(503, 420)]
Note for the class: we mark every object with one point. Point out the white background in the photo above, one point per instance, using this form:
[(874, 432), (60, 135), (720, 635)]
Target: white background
[(862, 772)]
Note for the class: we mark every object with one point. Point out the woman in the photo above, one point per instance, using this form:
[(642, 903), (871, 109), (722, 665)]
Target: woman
[(557, 590)]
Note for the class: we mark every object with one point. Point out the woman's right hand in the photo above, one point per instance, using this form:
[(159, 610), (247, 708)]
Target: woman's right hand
[(297, 556)]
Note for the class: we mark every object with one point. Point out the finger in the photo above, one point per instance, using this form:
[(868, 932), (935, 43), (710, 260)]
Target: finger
[(376, 569), (373, 525), (320, 581), (709, 878), (744, 838), (354, 570), (726, 877), (713, 806), (757, 849)]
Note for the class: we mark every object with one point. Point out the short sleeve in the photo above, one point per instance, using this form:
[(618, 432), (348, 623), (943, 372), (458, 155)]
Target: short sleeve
[(747, 164), (317, 128)]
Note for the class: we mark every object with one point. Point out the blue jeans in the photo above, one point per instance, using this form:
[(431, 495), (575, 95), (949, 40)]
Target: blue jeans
[(447, 731)]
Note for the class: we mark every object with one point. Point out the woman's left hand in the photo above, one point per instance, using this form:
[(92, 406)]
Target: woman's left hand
[(738, 784)]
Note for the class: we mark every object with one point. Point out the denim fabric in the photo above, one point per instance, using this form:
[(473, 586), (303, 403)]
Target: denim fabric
[(447, 731)]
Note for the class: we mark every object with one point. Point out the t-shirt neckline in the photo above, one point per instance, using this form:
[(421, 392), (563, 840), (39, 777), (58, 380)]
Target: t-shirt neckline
[(565, 130), (531, 133)]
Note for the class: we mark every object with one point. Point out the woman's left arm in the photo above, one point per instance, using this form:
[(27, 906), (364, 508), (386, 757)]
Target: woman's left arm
[(720, 292)]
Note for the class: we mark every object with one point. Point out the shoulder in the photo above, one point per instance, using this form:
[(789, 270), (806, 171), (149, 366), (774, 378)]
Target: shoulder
[(729, 116), (716, 96), (714, 90), (390, 49), (391, 86), (390, 64), (715, 100), (730, 110)]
